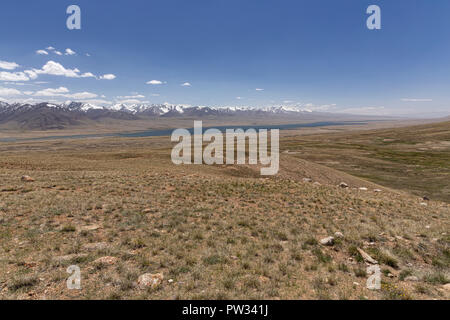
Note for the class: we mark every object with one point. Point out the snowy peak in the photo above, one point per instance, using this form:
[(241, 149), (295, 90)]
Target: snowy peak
[(157, 110)]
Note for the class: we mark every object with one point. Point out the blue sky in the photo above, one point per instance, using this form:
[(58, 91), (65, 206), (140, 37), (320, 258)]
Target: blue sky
[(316, 54)]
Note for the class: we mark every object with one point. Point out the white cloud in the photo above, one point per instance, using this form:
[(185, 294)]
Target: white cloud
[(138, 96), (259, 89), (98, 101), (108, 76), (365, 111), (322, 108), (130, 101), (31, 74), (42, 52), (16, 83), (88, 55), (81, 95), (50, 48), (64, 92), (416, 100), (239, 98), (8, 65), (9, 92), (154, 82), (49, 92), (155, 94), (57, 69), (13, 76), (186, 84), (69, 52), (87, 75), (14, 100), (59, 53)]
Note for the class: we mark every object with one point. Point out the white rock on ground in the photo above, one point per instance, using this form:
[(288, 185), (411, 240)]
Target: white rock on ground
[(106, 260), (338, 234), (366, 257), (92, 227), (411, 278), (27, 179), (328, 241), (96, 246), (69, 257), (150, 280)]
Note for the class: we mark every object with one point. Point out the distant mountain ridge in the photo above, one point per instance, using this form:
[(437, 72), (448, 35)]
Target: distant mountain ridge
[(45, 115), (149, 109)]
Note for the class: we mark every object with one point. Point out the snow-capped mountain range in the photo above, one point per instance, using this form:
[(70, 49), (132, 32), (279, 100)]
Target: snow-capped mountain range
[(148, 109), (45, 116), (168, 109)]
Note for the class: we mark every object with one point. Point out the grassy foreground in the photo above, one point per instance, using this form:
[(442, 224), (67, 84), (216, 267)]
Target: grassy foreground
[(119, 209)]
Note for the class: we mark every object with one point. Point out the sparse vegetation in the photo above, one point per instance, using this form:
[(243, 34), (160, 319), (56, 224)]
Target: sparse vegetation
[(213, 231)]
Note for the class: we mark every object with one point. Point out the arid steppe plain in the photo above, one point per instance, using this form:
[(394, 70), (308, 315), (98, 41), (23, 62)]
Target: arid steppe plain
[(118, 208)]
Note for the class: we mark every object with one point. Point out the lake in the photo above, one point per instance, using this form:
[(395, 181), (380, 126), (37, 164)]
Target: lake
[(168, 132)]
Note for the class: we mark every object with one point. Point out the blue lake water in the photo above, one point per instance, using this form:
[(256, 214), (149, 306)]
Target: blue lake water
[(168, 132)]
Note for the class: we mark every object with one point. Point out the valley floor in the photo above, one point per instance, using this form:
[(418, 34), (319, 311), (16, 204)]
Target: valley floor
[(118, 209)]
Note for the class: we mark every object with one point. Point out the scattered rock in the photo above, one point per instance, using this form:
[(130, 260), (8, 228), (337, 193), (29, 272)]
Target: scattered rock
[(150, 280), (29, 265), (338, 234), (316, 184), (96, 246), (343, 185), (424, 204), (106, 260), (355, 283), (170, 281), (426, 198), (363, 189), (27, 179), (390, 275), (90, 228), (411, 278), (328, 241), (377, 190), (446, 287), (147, 210), (263, 279), (69, 257), (307, 180), (366, 257)]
